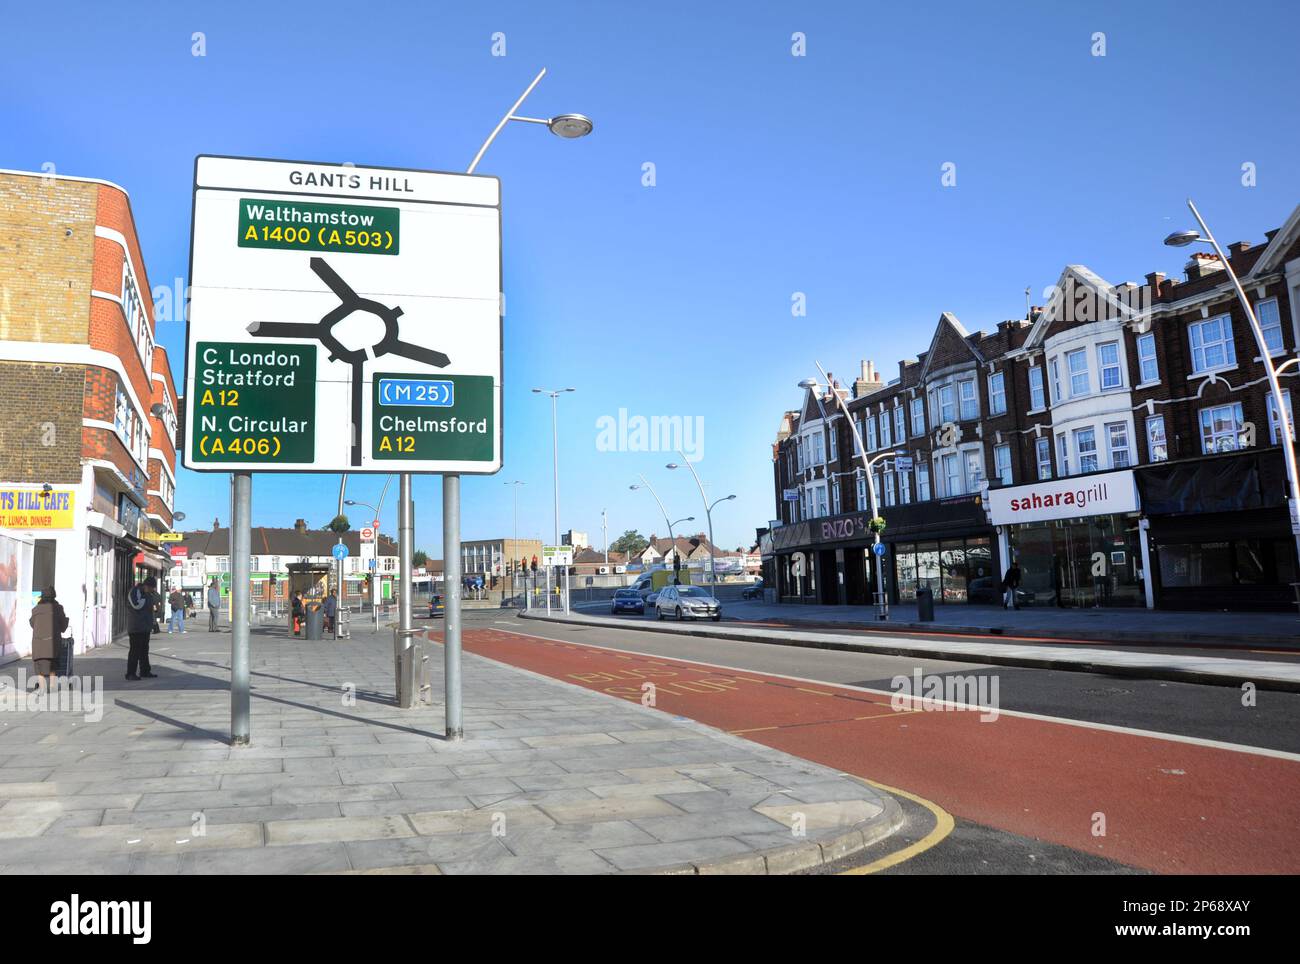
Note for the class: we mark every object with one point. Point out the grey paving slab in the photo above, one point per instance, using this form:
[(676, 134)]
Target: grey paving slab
[(551, 778)]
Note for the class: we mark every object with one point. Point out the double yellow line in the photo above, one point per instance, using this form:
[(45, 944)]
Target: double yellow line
[(943, 825)]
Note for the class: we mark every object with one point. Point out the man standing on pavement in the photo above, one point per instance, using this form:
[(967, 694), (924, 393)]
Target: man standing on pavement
[(140, 603), (331, 608), (177, 601), (214, 606), (1010, 584)]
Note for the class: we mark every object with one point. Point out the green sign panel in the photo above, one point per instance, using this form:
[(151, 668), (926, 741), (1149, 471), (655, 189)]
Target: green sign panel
[(417, 419), (254, 403), (307, 226)]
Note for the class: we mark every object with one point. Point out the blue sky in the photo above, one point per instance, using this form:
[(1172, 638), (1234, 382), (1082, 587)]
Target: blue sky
[(775, 174)]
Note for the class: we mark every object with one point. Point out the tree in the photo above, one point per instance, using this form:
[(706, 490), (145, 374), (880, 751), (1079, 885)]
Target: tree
[(631, 542), (338, 524), (419, 557)]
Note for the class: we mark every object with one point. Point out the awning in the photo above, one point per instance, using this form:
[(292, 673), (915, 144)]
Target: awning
[(1218, 483)]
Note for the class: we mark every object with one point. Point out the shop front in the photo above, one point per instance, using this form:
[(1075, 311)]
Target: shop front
[(946, 546), (1219, 532), (824, 561), (1079, 541)]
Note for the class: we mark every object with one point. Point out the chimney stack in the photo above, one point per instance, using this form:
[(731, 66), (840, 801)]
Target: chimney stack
[(299, 525), (868, 381), (216, 524), (1202, 263), (1237, 248)]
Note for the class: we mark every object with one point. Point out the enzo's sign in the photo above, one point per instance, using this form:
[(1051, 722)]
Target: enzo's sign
[(1104, 494), (343, 319)]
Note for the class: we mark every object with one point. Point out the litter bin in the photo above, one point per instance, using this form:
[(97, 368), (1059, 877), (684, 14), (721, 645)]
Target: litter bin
[(315, 621), (925, 605)]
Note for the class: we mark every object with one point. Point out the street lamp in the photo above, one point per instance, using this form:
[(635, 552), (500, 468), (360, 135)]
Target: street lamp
[(555, 450), (882, 599), (567, 126), (671, 538), (1285, 422), (708, 513)]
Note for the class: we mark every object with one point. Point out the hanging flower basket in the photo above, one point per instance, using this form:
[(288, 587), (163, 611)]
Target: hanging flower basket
[(877, 524)]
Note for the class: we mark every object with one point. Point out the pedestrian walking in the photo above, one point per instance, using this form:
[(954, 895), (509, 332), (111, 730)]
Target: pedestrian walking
[(214, 605), (141, 603), (1010, 584), (331, 610), (297, 608), (48, 622), (178, 603)]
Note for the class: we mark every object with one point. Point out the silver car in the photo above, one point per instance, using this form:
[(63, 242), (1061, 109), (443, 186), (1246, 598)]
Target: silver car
[(687, 602)]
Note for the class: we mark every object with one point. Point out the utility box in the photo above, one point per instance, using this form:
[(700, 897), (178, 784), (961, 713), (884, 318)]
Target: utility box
[(315, 621)]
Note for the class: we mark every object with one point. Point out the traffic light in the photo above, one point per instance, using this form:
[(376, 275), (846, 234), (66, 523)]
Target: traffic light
[(534, 563)]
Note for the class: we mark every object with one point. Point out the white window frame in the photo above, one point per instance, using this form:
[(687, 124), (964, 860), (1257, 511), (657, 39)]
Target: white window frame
[(872, 439), (835, 497), (1055, 367), (968, 407), (904, 486), (1225, 343), (1002, 463), (1274, 429), (997, 394), (1093, 454), (1043, 447), (1063, 454), (1118, 451), (835, 442), (1146, 352), (1037, 389), (1275, 325), (922, 481), (1157, 445), (863, 504), (1080, 354), (972, 469), (1211, 442), (918, 417), (1113, 368), (900, 422), (885, 439), (951, 474), (891, 495)]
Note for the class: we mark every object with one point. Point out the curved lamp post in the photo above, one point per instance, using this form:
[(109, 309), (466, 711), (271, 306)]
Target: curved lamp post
[(671, 538), (708, 514), (1285, 422)]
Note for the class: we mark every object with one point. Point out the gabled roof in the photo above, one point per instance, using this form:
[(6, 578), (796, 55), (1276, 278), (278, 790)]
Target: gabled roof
[(1073, 276), (1271, 259), (281, 542), (949, 327)]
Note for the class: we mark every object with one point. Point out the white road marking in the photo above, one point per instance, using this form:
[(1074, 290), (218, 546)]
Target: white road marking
[(1085, 724)]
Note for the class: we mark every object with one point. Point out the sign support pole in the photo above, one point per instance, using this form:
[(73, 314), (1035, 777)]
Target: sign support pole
[(405, 538), (241, 540), (451, 590)]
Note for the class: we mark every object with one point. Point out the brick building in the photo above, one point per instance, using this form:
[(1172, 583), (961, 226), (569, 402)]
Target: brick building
[(87, 458), (1120, 443)]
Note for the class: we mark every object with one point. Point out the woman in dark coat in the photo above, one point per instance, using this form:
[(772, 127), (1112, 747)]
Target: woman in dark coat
[(298, 612), (49, 622)]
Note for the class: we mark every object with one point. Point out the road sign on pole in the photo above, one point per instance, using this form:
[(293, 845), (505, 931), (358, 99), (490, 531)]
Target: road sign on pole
[(343, 319)]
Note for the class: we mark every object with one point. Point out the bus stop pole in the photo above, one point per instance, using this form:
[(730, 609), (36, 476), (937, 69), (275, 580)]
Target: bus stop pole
[(241, 540)]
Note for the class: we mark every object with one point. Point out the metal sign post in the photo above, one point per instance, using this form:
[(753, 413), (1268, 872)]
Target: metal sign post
[(241, 541)]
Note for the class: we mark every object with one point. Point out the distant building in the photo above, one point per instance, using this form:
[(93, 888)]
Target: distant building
[(494, 557), (579, 540)]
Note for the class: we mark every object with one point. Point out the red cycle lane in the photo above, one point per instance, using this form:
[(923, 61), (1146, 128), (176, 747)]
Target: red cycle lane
[(1166, 806)]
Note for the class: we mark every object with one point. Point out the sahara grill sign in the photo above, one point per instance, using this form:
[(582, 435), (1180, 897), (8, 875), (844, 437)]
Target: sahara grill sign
[(1105, 494)]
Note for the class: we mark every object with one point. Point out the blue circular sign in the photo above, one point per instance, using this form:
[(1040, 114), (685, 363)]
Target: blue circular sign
[(878, 548), (340, 551)]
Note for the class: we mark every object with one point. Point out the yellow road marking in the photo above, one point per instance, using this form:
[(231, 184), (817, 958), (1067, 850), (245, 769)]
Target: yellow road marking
[(943, 825), (802, 689)]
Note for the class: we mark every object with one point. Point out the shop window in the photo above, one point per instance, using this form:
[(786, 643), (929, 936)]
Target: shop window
[(918, 418), (1037, 401), (1043, 455), (905, 572), (1211, 343), (1117, 442), (1221, 427), (1274, 429), (1108, 362), (1077, 362), (1085, 445), (952, 565), (1149, 368), (997, 394), (1002, 463), (1196, 564), (1270, 323), (970, 405), (1157, 447)]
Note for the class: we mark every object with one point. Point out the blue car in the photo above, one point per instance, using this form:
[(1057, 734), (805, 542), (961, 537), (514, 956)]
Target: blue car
[(627, 601)]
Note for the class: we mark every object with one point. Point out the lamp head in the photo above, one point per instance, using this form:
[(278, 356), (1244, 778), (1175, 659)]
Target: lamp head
[(570, 126), (809, 383), (1181, 239)]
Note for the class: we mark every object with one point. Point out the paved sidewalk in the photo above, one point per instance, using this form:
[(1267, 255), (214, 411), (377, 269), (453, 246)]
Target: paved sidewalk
[(1135, 626), (1184, 666), (551, 778)]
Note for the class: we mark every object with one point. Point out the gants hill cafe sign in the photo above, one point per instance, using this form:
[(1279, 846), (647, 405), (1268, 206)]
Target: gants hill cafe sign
[(1105, 494)]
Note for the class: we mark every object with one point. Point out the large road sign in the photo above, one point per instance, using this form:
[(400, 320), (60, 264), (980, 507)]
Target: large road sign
[(343, 319)]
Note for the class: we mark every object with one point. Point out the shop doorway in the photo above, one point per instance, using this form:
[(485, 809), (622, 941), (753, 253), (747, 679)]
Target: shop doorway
[(1081, 563), (857, 577)]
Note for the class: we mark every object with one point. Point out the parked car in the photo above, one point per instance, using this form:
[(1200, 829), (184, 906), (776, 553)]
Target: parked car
[(687, 602), (651, 598), (627, 601), (753, 592), (436, 607)]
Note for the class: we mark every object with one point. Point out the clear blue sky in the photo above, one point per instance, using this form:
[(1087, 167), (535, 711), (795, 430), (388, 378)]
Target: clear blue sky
[(775, 174)]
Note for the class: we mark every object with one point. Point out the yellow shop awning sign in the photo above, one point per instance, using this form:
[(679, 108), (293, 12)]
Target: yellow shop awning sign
[(34, 509)]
